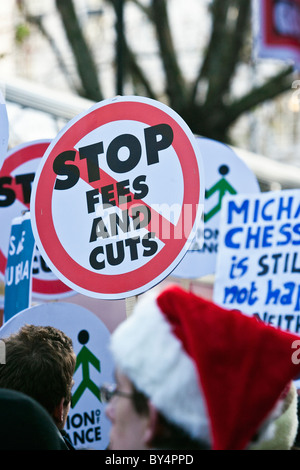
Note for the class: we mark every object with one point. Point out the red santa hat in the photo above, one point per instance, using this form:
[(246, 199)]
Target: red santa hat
[(218, 374)]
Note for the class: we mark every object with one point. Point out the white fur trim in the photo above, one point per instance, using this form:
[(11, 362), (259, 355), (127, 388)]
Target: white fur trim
[(147, 351)]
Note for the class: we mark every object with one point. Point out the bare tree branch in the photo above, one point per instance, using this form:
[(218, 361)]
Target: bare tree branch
[(273, 87), (86, 65), (142, 7), (138, 76), (218, 110), (132, 70), (38, 22), (210, 64), (225, 52), (233, 46), (175, 84)]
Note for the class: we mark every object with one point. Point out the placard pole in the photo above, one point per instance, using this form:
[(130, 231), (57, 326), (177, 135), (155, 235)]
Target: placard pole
[(185, 284), (130, 304)]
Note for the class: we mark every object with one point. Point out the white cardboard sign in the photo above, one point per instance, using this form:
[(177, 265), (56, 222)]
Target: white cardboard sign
[(117, 197), (87, 425), (16, 178), (258, 263), (225, 173)]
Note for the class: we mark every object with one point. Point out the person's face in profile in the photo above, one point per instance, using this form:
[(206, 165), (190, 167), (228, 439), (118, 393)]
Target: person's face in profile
[(128, 428)]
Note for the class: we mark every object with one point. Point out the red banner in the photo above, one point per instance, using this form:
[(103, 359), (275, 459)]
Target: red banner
[(277, 30)]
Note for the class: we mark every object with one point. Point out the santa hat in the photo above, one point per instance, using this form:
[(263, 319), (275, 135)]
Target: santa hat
[(218, 374)]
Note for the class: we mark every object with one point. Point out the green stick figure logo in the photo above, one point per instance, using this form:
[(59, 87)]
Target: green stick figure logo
[(223, 187), (84, 358)]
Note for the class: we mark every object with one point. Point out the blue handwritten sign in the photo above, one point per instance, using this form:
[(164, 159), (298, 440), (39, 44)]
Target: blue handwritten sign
[(258, 264), (18, 278)]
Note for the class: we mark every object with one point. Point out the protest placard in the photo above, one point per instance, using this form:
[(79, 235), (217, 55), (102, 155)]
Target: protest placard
[(16, 178), (87, 426), (117, 198), (276, 30), (258, 263), (18, 272), (225, 173)]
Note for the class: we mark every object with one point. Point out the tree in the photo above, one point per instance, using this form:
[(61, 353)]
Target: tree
[(210, 113)]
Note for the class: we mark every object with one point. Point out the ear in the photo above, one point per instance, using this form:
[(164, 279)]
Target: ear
[(154, 428), (58, 413)]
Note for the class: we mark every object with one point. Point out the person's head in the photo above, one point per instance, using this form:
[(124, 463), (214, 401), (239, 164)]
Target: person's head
[(26, 425), (191, 374), (40, 362), (137, 424)]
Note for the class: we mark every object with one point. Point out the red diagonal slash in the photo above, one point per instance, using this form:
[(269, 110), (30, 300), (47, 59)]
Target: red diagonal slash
[(163, 228)]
